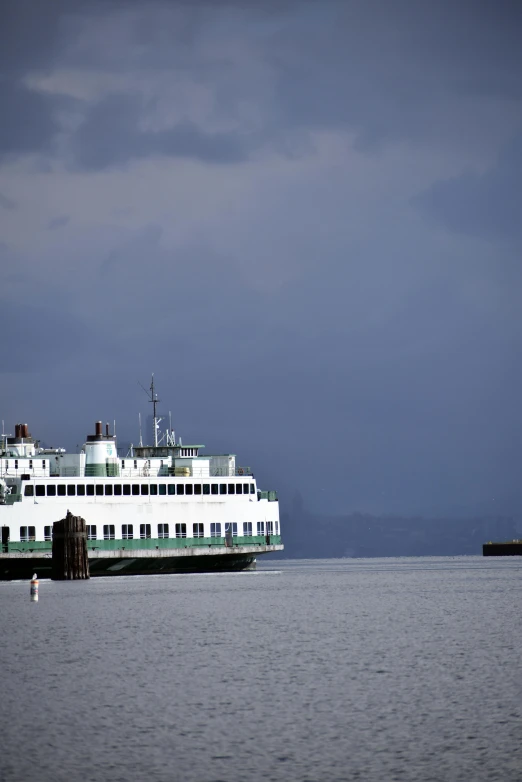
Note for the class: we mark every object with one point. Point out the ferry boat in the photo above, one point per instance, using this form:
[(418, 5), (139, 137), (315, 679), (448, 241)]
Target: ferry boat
[(163, 508)]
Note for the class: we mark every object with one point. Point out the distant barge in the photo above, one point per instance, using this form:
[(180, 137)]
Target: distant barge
[(511, 548)]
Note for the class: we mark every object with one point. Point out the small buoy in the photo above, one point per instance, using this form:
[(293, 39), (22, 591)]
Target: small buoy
[(34, 589)]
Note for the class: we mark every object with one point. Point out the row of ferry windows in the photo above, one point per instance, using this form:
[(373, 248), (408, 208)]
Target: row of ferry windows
[(127, 489), (185, 452), (180, 530), (15, 463)]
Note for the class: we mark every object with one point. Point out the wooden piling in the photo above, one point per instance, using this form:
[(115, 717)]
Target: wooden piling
[(70, 549)]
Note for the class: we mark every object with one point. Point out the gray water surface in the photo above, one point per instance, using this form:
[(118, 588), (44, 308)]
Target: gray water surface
[(389, 669)]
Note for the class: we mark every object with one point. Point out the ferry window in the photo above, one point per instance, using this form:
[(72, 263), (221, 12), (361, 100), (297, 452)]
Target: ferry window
[(222, 488), (144, 530), (99, 489), (61, 490), (16, 464), (252, 489), (197, 488), (71, 489), (127, 531), (163, 488), (135, 464), (214, 488), (180, 488), (29, 491), (40, 491), (144, 488), (247, 528), (188, 488), (47, 532), (126, 489), (206, 488), (27, 533), (215, 530), (163, 530), (80, 490), (135, 489), (108, 531), (123, 464), (90, 490), (277, 528), (117, 489), (172, 488), (234, 529), (51, 491), (43, 464), (231, 488), (260, 527), (269, 528), (108, 489), (239, 488), (197, 531), (153, 488), (181, 530), (91, 532)]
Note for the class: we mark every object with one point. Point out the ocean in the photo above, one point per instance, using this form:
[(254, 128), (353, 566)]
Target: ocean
[(316, 670)]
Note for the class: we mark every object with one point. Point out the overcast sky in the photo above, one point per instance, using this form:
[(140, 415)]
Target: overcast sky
[(305, 218)]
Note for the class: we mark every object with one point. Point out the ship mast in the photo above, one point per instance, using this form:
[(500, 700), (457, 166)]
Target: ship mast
[(154, 399), (155, 420)]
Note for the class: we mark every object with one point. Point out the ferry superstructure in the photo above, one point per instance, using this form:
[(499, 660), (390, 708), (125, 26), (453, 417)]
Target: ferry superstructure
[(161, 508)]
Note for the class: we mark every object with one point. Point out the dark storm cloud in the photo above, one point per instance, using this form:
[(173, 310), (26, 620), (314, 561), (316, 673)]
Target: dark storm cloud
[(28, 123), (59, 332), (386, 71), (7, 203), (30, 39), (110, 136), (58, 222), (488, 205), (145, 244), (30, 35), (390, 70)]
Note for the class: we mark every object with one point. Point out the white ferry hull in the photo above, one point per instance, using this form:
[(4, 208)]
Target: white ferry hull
[(137, 555)]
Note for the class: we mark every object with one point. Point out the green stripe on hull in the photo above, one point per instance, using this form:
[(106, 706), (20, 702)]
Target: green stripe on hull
[(146, 543)]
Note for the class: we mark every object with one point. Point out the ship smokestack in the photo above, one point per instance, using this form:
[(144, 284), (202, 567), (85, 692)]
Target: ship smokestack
[(107, 429), (99, 429), (25, 431), (18, 429)]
